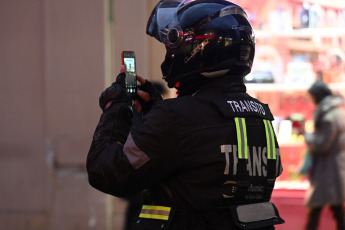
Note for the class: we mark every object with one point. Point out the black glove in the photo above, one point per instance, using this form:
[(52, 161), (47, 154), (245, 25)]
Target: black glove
[(114, 125), (116, 119), (116, 93), (155, 96)]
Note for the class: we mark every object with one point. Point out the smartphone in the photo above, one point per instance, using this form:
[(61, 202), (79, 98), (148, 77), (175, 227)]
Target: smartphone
[(128, 59)]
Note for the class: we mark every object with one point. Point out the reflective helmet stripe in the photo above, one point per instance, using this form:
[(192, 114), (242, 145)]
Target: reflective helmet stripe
[(155, 212), (241, 131), (271, 145)]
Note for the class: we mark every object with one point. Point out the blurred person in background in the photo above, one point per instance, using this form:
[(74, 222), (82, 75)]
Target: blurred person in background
[(327, 149), (207, 159)]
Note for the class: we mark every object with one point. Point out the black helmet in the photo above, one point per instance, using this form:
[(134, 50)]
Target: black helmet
[(202, 37)]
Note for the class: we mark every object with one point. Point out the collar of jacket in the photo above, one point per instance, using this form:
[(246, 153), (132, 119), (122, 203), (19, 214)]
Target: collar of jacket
[(227, 84)]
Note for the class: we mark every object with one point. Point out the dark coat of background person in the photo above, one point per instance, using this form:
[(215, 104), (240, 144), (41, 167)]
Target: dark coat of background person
[(327, 149), (327, 145)]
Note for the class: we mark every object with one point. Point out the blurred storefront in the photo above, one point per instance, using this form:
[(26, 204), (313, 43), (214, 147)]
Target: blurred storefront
[(297, 42)]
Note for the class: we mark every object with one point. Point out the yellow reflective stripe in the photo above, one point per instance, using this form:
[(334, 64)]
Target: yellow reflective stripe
[(153, 216), (155, 212), (273, 141), (155, 207), (267, 141), (241, 131), (271, 145), (239, 139), (245, 138)]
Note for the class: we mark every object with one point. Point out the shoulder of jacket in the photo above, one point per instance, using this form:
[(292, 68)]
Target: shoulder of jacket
[(238, 105)]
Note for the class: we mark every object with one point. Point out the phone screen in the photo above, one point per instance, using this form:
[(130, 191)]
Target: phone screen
[(130, 64), (131, 80)]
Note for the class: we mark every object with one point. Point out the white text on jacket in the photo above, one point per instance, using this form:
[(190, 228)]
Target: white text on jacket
[(246, 106)]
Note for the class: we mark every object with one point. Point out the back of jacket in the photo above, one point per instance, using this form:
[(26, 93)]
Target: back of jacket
[(193, 145), (198, 154)]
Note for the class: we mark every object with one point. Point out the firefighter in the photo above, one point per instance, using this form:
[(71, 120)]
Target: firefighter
[(207, 159)]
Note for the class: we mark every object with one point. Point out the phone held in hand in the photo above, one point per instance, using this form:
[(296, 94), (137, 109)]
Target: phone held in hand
[(128, 59)]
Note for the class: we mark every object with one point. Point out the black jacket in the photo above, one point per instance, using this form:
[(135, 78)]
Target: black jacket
[(186, 153)]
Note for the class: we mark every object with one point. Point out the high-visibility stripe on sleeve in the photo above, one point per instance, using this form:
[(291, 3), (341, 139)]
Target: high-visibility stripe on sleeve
[(271, 144), (155, 212), (241, 131)]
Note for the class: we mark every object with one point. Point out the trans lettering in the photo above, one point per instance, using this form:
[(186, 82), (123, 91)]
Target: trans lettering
[(255, 167), (246, 106)]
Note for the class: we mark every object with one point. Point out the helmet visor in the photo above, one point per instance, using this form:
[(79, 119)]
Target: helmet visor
[(164, 24), (163, 20)]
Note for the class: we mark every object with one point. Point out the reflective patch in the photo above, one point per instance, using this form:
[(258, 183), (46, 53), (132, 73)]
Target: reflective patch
[(256, 216), (136, 156), (256, 212), (271, 144), (155, 212), (241, 131)]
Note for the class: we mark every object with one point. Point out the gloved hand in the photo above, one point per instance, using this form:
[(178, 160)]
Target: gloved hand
[(147, 96), (116, 93), (116, 118)]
